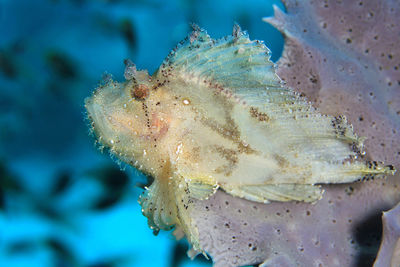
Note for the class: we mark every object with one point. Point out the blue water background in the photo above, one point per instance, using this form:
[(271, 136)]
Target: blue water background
[(62, 201)]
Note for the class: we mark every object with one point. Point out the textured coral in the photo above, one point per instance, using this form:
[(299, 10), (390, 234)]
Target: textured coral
[(331, 232), (389, 253), (344, 58)]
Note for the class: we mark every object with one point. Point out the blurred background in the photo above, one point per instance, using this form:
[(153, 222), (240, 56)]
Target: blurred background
[(62, 201)]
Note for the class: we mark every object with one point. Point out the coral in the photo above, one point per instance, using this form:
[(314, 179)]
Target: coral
[(389, 253), (332, 232), (345, 59)]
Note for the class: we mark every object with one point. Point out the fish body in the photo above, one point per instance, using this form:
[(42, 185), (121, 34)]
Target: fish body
[(215, 115)]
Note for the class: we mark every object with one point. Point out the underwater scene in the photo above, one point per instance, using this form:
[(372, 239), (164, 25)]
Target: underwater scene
[(184, 133)]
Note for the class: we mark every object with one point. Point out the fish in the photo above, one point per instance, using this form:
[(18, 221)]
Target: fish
[(216, 116)]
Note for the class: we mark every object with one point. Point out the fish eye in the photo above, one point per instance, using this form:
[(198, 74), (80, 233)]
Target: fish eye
[(140, 92)]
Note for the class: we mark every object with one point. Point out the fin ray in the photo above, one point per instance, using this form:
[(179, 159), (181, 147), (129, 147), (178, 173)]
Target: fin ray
[(201, 190), (280, 192), (158, 207)]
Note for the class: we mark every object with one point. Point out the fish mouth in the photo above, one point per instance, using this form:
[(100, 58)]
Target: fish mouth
[(109, 119), (104, 108), (97, 119)]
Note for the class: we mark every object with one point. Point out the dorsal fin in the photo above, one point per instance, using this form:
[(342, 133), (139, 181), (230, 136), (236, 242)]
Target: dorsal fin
[(234, 61)]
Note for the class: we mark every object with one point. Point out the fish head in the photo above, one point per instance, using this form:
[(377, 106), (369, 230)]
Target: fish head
[(122, 117)]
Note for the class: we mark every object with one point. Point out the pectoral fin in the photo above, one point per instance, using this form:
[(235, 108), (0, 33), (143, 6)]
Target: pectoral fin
[(201, 188), (159, 207), (280, 192)]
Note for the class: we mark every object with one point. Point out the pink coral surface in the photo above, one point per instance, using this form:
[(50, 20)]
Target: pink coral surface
[(345, 58), (389, 253)]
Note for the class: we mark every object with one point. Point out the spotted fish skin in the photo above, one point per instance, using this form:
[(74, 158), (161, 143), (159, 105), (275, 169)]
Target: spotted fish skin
[(215, 115)]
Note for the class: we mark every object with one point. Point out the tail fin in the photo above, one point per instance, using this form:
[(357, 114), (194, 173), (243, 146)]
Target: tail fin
[(376, 169)]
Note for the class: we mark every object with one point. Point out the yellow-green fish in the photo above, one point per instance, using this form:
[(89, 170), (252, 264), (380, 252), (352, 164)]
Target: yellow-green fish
[(215, 115)]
